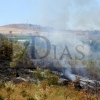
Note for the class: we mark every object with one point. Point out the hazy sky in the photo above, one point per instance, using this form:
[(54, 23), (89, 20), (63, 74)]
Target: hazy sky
[(60, 14)]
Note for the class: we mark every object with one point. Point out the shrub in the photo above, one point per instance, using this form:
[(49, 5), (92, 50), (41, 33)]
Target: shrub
[(1, 98), (18, 52), (51, 78), (5, 49), (9, 90), (93, 70), (38, 74), (30, 98), (2, 85), (20, 56), (24, 93)]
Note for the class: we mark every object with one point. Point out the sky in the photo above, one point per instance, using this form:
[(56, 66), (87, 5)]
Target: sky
[(60, 14)]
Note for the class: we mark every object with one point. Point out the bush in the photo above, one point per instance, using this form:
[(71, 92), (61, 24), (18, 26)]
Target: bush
[(51, 78), (18, 53), (9, 90), (38, 74), (24, 93), (6, 49), (2, 85), (30, 98), (93, 70), (47, 76), (20, 56), (1, 98)]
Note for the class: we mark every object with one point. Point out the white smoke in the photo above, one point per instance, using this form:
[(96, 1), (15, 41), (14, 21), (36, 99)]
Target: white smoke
[(70, 14), (67, 69), (62, 39)]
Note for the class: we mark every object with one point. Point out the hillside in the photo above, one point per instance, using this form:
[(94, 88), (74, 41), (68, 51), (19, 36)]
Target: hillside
[(18, 29), (23, 29), (28, 27)]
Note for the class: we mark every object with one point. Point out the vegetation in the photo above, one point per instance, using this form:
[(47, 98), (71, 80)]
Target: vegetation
[(36, 92), (51, 78), (93, 70), (1, 98), (5, 49), (46, 75), (24, 93), (48, 89), (14, 51), (2, 85), (19, 50), (86, 68), (30, 98)]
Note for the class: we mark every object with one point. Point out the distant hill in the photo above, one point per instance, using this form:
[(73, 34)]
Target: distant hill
[(24, 29), (29, 27)]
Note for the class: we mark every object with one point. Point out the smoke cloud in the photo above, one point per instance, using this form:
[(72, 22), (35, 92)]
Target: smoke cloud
[(70, 14)]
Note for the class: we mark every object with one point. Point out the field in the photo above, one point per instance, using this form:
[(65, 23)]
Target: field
[(10, 91), (48, 87)]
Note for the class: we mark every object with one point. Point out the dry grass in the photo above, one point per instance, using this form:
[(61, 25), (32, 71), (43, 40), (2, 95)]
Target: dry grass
[(6, 30), (43, 92)]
